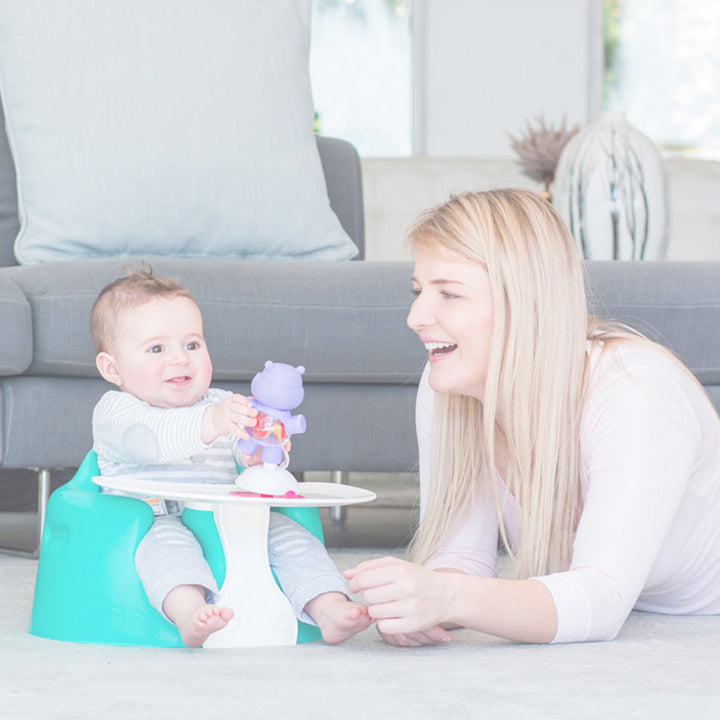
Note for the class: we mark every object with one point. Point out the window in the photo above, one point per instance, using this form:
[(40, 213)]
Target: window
[(662, 69), (361, 71)]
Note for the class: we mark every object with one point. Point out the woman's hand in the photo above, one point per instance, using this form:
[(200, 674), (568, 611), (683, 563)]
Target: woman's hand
[(412, 605), (431, 636), (408, 601)]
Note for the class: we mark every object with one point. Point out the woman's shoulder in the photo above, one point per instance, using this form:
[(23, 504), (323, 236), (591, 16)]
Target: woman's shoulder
[(636, 375), (626, 359)]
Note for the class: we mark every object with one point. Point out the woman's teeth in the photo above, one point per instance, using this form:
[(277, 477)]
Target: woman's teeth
[(437, 348)]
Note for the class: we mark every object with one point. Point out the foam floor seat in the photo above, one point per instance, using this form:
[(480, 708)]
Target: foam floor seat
[(87, 588)]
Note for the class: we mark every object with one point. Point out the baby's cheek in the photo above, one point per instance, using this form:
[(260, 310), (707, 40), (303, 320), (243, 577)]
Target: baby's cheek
[(205, 368)]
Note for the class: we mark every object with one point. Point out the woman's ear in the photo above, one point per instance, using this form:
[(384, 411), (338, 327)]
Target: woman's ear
[(108, 368)]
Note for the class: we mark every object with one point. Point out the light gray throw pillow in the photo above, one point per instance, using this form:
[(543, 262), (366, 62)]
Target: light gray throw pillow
[(164, 127)]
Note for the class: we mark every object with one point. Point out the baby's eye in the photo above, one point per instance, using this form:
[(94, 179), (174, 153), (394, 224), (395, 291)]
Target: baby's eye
[(155, 349), (194, 345)]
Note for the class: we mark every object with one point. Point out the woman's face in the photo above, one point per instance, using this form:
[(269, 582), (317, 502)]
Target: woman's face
[(453, 316)]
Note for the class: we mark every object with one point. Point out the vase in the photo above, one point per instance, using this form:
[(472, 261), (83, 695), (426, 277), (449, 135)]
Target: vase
[(610, 189)]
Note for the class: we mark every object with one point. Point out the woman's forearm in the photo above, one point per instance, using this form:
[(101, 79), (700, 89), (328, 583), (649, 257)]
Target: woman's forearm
[(406, 599), (520, 610)]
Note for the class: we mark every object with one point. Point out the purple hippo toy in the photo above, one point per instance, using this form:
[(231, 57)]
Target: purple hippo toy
[(276, 391)]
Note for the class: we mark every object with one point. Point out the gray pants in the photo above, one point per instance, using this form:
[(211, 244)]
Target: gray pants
[(169, 555)]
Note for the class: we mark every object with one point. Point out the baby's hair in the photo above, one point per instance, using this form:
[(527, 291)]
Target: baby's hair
[(124, 294)]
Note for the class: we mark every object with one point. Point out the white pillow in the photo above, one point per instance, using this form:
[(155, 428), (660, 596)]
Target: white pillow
[(164, 127)]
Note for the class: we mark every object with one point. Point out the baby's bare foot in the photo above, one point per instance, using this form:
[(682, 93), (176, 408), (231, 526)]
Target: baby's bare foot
[(337, 617), (203, 623)]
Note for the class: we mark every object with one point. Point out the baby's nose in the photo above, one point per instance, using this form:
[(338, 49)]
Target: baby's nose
[(178, 356)]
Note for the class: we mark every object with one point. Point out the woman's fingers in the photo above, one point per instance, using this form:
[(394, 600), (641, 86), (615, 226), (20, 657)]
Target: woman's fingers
[(404, 598), (374, 573), (431, 636)]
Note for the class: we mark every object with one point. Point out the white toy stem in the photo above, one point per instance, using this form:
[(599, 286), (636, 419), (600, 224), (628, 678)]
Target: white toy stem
[(266, 617), (267, 479)]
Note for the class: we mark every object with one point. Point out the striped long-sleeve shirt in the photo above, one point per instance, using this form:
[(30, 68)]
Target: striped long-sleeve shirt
[(132, 437)]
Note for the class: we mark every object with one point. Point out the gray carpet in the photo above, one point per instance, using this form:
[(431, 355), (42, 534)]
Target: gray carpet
[(659, 667)]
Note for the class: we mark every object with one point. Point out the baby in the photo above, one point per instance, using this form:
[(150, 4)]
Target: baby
[(165, 423)]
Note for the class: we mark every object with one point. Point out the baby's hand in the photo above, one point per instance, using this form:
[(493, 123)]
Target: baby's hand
[(256, 457), (228, 417)]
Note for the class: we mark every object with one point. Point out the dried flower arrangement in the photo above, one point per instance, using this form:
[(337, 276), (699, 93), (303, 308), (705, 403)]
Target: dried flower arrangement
[(540, 149)]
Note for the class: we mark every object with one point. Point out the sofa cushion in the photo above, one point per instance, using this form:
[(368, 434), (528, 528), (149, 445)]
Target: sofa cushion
[(164, 128), (345, 322), (16, 348), (676, 304)]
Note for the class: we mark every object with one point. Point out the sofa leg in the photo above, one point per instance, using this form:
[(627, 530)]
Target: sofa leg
[(338, 513), (25, 538), (43, 497)]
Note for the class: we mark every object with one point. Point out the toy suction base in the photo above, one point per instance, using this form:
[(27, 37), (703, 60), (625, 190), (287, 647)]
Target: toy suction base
[(266, 479)]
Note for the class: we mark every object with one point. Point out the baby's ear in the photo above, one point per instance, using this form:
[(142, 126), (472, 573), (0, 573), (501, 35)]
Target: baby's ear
[(108, 369)]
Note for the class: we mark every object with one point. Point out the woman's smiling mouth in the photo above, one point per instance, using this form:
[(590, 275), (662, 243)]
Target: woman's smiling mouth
[(439, 348)]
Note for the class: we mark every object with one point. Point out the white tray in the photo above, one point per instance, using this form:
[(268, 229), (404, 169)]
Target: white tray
[(314, 494)]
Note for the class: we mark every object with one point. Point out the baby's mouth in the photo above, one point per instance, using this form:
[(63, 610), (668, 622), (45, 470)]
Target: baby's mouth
[(179, 380), (438, 348)]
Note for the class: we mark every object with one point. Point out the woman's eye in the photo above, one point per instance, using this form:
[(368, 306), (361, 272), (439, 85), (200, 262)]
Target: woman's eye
[(449, 295), (415, 291)]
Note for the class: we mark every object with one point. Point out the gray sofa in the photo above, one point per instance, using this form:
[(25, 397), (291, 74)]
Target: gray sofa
[(345, 322)]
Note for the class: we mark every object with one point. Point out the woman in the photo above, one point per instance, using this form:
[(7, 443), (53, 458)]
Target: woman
[(591, 451)]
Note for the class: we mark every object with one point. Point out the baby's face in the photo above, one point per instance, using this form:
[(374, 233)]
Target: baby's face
[(160, 353)]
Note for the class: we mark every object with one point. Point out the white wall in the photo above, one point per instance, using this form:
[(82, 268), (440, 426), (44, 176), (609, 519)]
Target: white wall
[(397, 190), (485, 67)]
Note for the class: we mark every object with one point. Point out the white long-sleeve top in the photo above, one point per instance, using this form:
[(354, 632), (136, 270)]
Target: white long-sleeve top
[(132, 437), (649, 533)]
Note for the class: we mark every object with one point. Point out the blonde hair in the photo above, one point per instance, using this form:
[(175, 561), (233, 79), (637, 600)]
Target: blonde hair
[(124, 294), (534, 393)]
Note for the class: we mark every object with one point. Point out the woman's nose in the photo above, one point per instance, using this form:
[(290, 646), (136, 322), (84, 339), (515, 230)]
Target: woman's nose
[(419, 315)]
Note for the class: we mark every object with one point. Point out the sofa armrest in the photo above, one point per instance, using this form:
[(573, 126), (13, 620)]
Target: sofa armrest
[(16, 348), (343, 177)]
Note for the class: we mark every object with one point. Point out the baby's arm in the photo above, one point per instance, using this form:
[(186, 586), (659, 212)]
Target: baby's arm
[(129, 431), (228, 417)]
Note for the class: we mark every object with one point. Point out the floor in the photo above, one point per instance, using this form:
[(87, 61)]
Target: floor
[(387, 522), (661, 667)]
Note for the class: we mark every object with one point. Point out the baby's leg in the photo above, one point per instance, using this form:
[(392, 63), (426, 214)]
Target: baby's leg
[(171, 566), (315, 588), (196, 620)]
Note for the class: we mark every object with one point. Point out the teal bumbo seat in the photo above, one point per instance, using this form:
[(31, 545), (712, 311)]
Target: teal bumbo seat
[(87, 588)]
